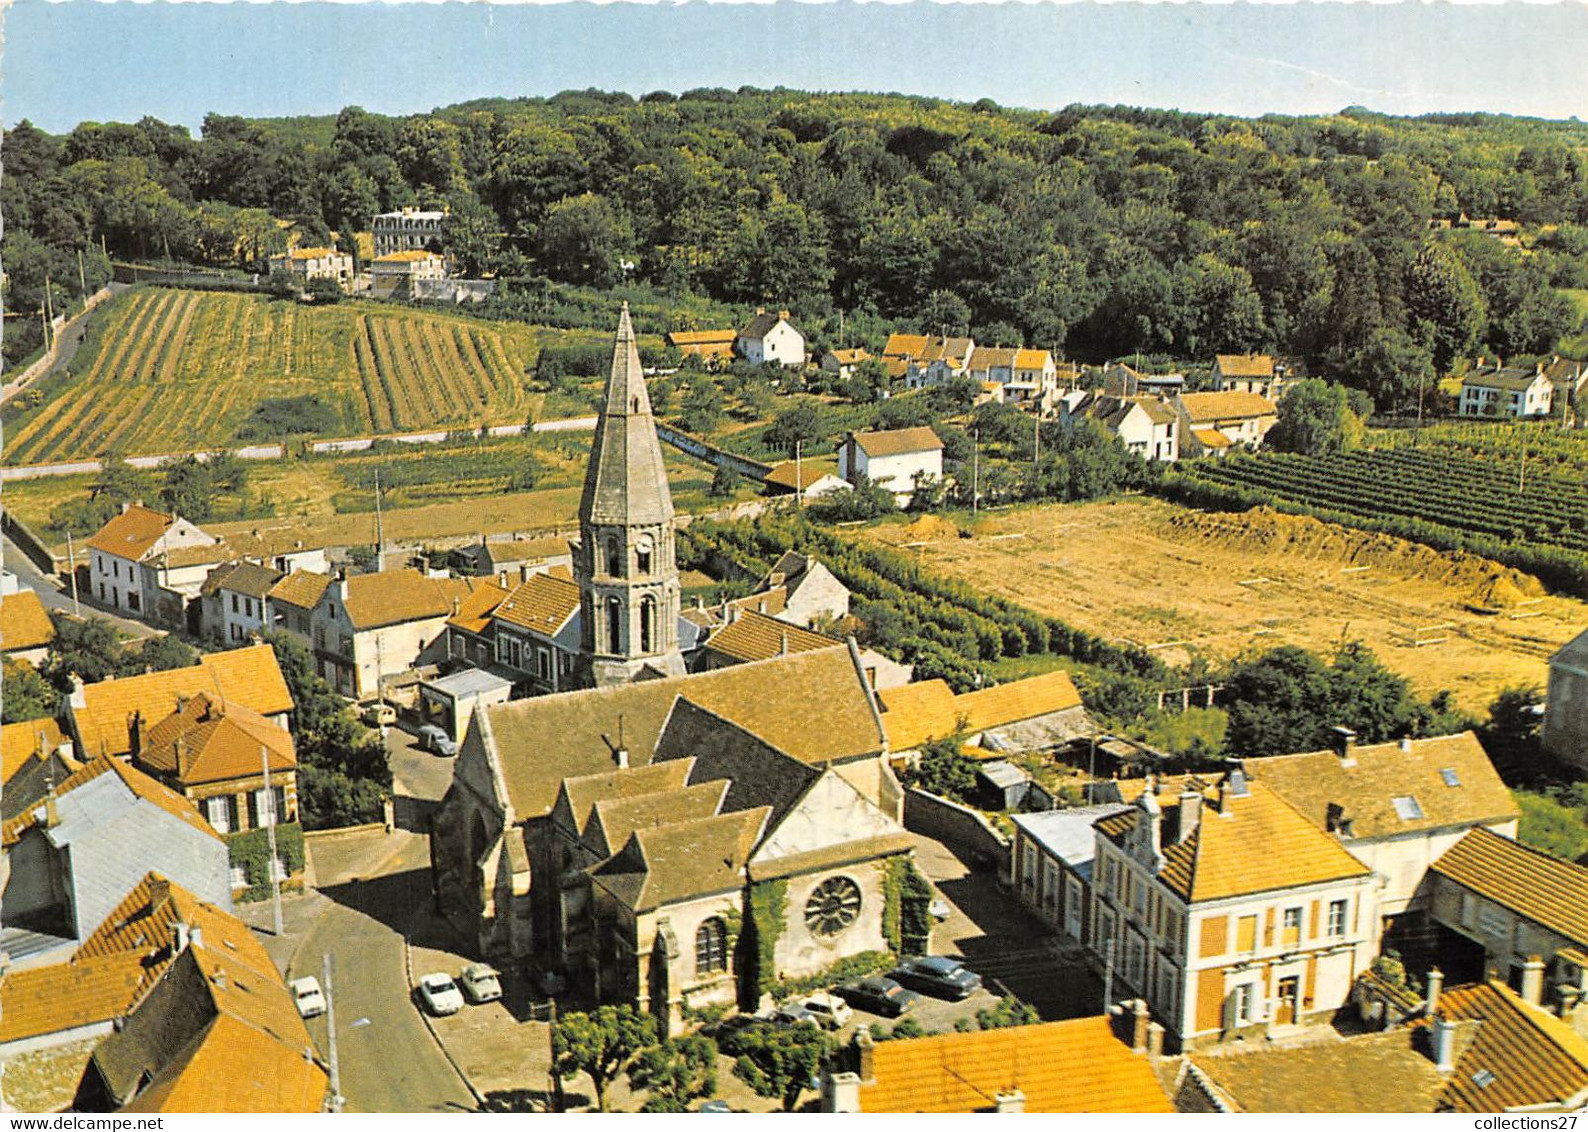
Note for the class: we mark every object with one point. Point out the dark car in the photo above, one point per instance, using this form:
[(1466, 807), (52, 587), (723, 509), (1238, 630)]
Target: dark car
[(878, 995), (937, 975)]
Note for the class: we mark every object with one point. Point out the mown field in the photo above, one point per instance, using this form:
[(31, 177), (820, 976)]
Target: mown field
[(167, 370)]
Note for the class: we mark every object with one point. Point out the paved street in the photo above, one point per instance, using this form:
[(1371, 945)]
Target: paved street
[(389, 1061), (55, 598)]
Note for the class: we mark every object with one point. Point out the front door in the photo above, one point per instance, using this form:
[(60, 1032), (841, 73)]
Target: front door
[(1289, 991)]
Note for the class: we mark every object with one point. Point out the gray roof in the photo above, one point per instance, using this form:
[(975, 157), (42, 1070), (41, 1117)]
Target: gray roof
[(469, 682), (1067, 834), (30, 948), (626, 481), (1002, 773), (1574, 652)]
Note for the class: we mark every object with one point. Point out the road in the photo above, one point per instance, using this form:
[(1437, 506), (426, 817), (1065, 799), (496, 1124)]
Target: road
[(388, 1059), (54, 598)]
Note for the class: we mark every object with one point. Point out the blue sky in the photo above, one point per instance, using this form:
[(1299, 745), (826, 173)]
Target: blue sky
[(79, 60)]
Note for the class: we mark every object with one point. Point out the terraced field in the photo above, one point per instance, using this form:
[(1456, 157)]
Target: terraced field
[(170, 370)]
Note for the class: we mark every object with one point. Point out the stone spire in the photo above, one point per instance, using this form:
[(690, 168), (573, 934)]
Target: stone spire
[(626, 566), (626, 481)]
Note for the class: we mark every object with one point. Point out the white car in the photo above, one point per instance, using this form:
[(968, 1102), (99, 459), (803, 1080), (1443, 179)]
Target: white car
[(441, 995), (308, 996), (829, 1011), (481, 982)]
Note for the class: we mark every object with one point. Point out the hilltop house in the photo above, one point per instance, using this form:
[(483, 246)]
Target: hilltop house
[(75, 853), (1213, 423), (105, 716), (896, 459), (1565, 731), (26, 630), (407, 230), (1506, 392), (1024, 377), (770, 337), (1220, 934)]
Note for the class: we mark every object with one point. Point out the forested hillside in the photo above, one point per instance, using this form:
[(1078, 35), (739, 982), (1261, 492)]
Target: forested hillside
[(1100, 231)]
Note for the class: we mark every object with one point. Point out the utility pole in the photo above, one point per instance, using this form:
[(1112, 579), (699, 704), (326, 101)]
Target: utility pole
[(975, 471), (1521, 474), (380, 530), (1036, 439), (336, 1097), (267, 811), (71, 565), (82, 279), (1108, 973), (799, 478)]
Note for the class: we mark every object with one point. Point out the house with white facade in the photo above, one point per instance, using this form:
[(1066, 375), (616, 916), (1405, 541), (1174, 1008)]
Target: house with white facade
[(896, 459), (770, 337), (233, 601), (396, 274), (1252, 373), (1513, 393), (130, 566), (316, 263), (407, 230), (1213, 423), (1147, 426), (940, 360)]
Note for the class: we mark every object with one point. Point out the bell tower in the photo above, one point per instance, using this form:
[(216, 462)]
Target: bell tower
[(625, 563)]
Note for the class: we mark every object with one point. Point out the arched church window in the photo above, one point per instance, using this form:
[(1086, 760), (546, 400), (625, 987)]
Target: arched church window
[(614, 625), (647, 624), (833, 906), (614, 559), (711, 946)]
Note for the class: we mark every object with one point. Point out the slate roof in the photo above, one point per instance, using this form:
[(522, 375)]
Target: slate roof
[(301, 588), (1382, 772), (1573, 653), (540, 741), (1232, 851), (1073, 1066), (543, 604), (917, 713), (132, 533), (80, 814), (1068, 834), (210, 740), (1534, 1058), (24, 623), (1246, 365), (247, 676), (1534, 885), (763, 322), (626, 479), (613, 820), (754, 636), (1516, 380), (1232, 405), (683, 860), (898, 441), (247, 578)]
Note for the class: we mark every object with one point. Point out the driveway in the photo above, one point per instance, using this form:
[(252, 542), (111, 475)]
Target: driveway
[(1013, 951)]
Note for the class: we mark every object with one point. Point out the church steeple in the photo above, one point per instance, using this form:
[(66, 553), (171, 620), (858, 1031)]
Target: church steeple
[(626, 565)]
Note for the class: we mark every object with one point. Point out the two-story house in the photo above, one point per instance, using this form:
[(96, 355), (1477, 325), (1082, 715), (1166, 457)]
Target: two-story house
[(896, 459), (537, 632), (407, 229), (1196, 912), (770, 337), (368, 626), (1146, 426), (1213, 423), (316, 263), (130, 566), (1514, 393), (940, 360), (232, 600), (1252, 373)]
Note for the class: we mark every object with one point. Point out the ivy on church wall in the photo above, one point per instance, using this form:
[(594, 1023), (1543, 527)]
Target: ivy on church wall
[(906, 907), (768, 907)]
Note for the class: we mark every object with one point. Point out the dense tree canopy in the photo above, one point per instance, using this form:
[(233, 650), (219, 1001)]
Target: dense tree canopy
[(1099, 230)]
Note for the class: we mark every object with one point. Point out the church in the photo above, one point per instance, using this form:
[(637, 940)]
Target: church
[(661, 838)]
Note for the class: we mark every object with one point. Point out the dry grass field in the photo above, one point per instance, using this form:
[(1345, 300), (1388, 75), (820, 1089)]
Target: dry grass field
[(1186, 583)]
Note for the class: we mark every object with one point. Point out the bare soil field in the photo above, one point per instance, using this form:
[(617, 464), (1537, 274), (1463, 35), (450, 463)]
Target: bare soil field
[(1187, 583)]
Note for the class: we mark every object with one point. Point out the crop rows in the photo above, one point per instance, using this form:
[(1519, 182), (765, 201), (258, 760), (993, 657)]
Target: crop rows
[(1462, 493), (181, 370)]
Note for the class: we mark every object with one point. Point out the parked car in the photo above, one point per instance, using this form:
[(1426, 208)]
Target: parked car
[(715, 1105), (481, 982), (380, 714), (792, 1014), (937, 975), (308, 996), (440, 994), (828, 1010), (879, 995), (434, 739)]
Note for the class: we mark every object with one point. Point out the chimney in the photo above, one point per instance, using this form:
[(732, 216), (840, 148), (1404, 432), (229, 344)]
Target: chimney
[(195, 936), (783, 315), (1406, 744), (1011, 1100), (1532, 989), (179, 937), (126, 505), (865, 1055), (1343, 740), (135, 732), (181, 757), (1443, 1040), (1140, 1020), (1155, 1034), (783, 648), (1436, 983), (1190, 814), (840, 1092)]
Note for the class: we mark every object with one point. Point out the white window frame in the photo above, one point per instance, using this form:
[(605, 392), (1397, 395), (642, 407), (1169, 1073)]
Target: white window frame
[(218, 806), (1339, 914)]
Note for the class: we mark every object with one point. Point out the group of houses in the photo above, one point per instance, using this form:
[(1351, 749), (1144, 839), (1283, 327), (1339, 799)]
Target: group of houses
[(1555, 386), (407, 262)]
